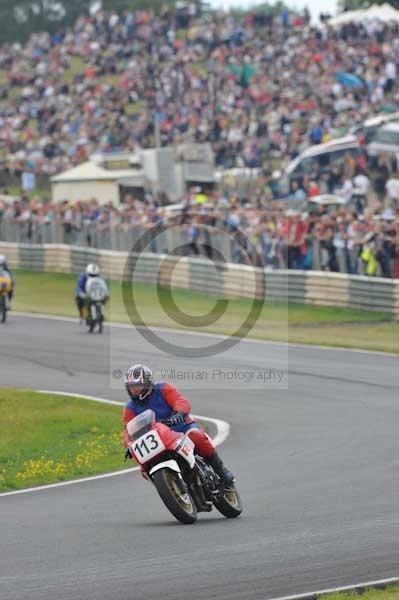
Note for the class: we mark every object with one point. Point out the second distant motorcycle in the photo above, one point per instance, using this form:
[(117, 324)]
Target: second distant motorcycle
[(96, 297), (91, 295)]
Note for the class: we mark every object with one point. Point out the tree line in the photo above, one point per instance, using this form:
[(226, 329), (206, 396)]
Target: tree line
[(20, 18)]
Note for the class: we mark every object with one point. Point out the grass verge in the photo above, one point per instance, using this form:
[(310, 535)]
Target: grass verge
[(77, 67), (53, 293), (49, 438), (16, 190), (388, 593)]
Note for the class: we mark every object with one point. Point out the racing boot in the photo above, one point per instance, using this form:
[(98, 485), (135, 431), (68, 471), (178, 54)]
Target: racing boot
[(217, 465)]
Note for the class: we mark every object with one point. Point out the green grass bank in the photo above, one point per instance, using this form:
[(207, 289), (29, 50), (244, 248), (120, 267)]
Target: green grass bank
[(49, 438), (54, 294)]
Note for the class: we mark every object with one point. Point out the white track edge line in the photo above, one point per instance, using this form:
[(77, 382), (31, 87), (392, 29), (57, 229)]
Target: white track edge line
[(366, 584), (213, 335), (222, 428)]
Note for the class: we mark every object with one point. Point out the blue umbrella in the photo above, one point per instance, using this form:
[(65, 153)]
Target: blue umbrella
[(349, 80)]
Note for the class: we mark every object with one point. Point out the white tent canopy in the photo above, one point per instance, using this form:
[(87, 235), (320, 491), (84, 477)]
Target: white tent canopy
[(89, 180), (384, 12), (90, 171), (350, 16)]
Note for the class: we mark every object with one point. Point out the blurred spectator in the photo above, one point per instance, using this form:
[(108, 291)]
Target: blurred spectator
[(259, 88)]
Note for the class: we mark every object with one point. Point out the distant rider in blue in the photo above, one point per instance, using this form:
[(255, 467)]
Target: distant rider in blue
[(92, 270)]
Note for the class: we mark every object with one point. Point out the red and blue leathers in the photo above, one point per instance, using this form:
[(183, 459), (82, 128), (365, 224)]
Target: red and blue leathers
[(165, 399)]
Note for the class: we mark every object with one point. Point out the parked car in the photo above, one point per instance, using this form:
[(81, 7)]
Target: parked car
[(331, 201)]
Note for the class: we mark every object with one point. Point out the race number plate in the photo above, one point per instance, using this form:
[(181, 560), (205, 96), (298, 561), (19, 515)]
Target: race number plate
[(186, 450), (147, 446), (96, 291)]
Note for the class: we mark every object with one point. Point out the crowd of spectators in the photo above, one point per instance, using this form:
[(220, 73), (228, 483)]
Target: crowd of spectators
[(334, 239), (259, 88)]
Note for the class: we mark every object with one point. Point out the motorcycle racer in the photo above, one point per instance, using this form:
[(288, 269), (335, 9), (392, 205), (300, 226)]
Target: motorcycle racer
[(168, 404), (5, 269), (92, 270)]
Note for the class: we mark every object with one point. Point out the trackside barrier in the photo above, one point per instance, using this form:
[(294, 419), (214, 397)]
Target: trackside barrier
[(224, 279)]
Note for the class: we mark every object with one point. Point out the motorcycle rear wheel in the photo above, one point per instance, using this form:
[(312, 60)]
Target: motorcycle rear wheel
[(229, 504), (181, 506), (100, 318), (3, 309)]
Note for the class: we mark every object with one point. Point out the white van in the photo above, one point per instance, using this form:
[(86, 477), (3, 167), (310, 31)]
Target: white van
[(321, 156), (369, 128), (386, 140)]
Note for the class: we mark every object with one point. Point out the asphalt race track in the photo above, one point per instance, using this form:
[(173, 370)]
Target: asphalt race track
[(317, 466)]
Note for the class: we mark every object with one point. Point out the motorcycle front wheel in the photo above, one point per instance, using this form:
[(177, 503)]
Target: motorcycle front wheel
[(229, 503), (180, 504)]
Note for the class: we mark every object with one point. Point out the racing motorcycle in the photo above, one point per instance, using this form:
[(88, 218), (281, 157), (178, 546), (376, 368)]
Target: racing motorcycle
[(5, 289), (96, 296), (185, 482)]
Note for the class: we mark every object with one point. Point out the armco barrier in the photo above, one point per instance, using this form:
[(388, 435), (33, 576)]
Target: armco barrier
[(225, 279), (327, 289), (378, 292)]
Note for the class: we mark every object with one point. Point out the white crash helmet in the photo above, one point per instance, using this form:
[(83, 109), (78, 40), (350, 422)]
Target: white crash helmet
[(140, 377), (92, 270), (3, 260)]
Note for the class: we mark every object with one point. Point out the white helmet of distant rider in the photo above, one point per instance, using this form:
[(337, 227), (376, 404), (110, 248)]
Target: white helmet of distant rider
[(92, 270)]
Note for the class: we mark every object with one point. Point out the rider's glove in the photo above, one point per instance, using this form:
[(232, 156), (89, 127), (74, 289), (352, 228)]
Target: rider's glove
[(128, 453), (176, 418)]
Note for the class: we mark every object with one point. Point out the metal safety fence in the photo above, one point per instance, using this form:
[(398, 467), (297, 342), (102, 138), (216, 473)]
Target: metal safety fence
[(213, 242)]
